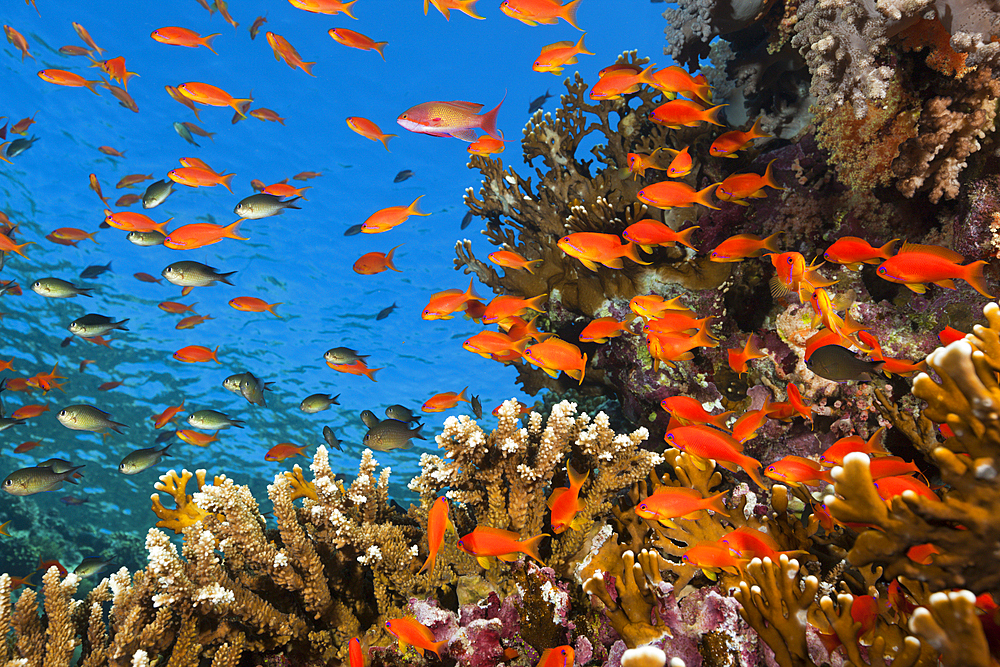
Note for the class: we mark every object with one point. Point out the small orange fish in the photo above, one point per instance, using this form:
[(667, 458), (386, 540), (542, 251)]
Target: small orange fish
[(686, 410), (192, 321), (468, 7), (146, 278), (485, 146), (443, 304), (255, 26), (747, 542), (325, 6), (710, 556), (451, 119), (679, 113), (678, 503), (681, 165), (648, 306), (113, 152), (284, 450), (129, 221), (649, 233), (795, 399), (534, 12), (671, 347), (70, 236), (506, 306), (252, 304), (197, 353), (437, 524), (18, 40), (496, 345), (201, 234), (638, 163), (29, 411), (197, 178), (184, 37), (411, 633), (560, 656), (891, 466), (485, 542), (729, 143), (64, 78), (203, 93), (444, 401), (71, 50), (177, 308), (115, 69), (593, 248), (739, 247), (675, 80), (357, 368), (903, 367), (675, 321), (798, 470), (565, 505), (95, 185), (176, 94), (25, 447), (167, 416), (369, 130), (950, 334), (87, 39), (556, 56), (676, 194), (283, 189), (132, 179), (738, 360), (283, 50), (890, 487), (554, 354), (915, 264), (196, 438), (124, 99), (306, 175), (512, 260), (356, 40), (835, 453), (618, 80), (355, 655), (21, 126), (852, 252), (604, 329), (108, 386), (708, 443), (740, 187), (393, 216)]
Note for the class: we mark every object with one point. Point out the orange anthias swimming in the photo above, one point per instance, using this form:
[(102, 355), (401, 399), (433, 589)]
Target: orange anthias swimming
[(387, 218), (330, 7), (197, 353), (676, 194), (443, 304), (437, 524), (201, 234), (676, 114), (565, 504), (451, 119), (708, 443), (533, 12), (375, 262), (356, 40), (730, 143), (740, 187), (209, 95), (283, 50), (554, 354), (916, 264), (512, 260), (183, 37), (128, 221), (252, 304), (444, 401), (486, 542), (852, 252), (556, 56), (468, 7), (670, 503), (648, 233), (369, 130), (411, 633), (196, 177), (507, 306), (603, 329), (593, 248), (284, 450), (63, 78)]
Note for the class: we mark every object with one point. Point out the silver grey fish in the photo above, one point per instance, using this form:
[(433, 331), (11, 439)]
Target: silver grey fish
[(466, 220), (58, 465), (194, 274), (185, 133), (54, 288), (252, 388), (354, 230), (403, 175), (331, 439), (477, 407), (400, 413), (7, 422), (18, 146), (538, 102), (340, 356), (87, 418), (91, 566), (92, 325), (211, 420), (142, 459), (317, 403), (391, 434), (385, 312), (37, 479), (146, 239), (156, 193), (93, 271), (263, 205), (838, 364), (369, 418)]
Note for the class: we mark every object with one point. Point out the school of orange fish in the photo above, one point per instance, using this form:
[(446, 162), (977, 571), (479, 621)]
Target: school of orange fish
[(671, 330)]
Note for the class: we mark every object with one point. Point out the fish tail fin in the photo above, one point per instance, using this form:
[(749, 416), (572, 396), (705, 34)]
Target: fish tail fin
[(528, 266), (232, 231), (703, 338), (468, 7), (270, 308), (535, 303), (716, 504), (215, 355), (237, 104), (702, 89), (488, 122), (771, 242), (225, 180), (646, 76), (582, 370), (414, 209), (755, 132), (378, 46), (704, 197), (568, 13), (161, 227), (885, 252), (385, 140), (768, 178), (470, 294), (388, 260), (206, 41), (633, 254), (712, 115), (581, 49), (370, 373), (307, 68), (530, 547), (428, 565), (974, 276), (347, 9), (426, 7), (751, 467), (90, 86), (684, 237), (224, 277), (437, 646)]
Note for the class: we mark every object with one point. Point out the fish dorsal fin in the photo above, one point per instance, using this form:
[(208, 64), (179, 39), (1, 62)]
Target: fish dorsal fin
[(471, 106), (680, 491), (557, 45), (937, 251), (815, 465), (498, 532)]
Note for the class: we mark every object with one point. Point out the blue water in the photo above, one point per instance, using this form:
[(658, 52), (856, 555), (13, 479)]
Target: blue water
[(301, 258)]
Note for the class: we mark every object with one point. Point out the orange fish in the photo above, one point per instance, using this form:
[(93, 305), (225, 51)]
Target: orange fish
[(649, 233), (108, 386), (671, 347), (681, 165), (29, 411), (467, 7), (891, 466), (638, 163), (728, 143), (437, 524), (184, 37), (197, 178), (593, 248), (252, 304), (167, 416), (565, 505), (7, 245), (26, 447), (132, 179), (708, 443), (71, 50), (852, 252), (517, 328), (192, 321), (201, 234), (7, 365), (618, 80), (890, 487), (375, 262), (451, 119), (679, 113), (738, 360), (283, 50), (146, 278), (387, 218), (223, 8), (21, 126), (357, 368), (798, 470), (283, 189), (560, 656), (356, 40), (742, 246), (63, 78), (795, 400), (506, 306), (18, 40), (686, 410), (196, 353), (835, 453), (325, 6), (496, 345), (355, 655), (443, 304), (917, 264), (369, 130), (486, 145), (203, 93), (648, 306), (710, 556), (548, 12), (521, 407), (196, 438), (115, 69), (554, 354), (197, 163), (485, 542), (284, 450), (128, 200), (411, 633), (747, 542), (444, 401), (676, 194), (512, 260), (174, 307), (604, 329), (87, 39), (950, 334), (740, 187), (675, 321), (129, 221), (556, 56), (675, 80), (903, 367), (113, 152), (95, 185), (669, 503), (266, 114)]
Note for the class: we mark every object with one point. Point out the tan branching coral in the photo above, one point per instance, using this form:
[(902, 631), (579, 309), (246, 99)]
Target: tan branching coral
[(775, 599)]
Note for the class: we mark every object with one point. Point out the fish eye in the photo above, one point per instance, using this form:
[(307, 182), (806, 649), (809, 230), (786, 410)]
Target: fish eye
[(790, 260), (642, 506), (881, 271), (62, 413), (404, 116)]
